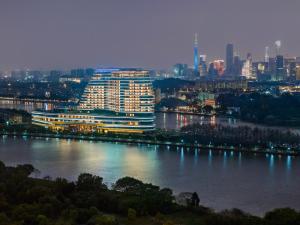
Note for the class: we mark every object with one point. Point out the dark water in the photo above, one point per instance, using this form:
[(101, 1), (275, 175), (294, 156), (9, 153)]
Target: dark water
[(254, 183)]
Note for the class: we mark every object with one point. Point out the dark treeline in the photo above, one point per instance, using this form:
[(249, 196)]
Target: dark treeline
[(262, 108), (242, 135), (25, 200), (36, 90), (169, 85), (205, 134)]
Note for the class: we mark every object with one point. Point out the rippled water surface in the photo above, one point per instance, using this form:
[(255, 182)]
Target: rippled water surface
[(254, 183)]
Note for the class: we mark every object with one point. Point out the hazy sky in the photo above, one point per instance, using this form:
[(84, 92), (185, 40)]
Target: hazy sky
[(43, 34)]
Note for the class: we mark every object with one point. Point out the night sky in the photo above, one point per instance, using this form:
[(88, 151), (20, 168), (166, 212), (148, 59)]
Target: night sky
[(63, 34)]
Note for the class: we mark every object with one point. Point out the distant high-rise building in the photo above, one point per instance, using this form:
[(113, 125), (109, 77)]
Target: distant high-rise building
[(267, 59), (229, 58), (237, 66), (279, 74), (298, 73), (196, 62), (219, 67), (180, 70), (202, 65), (290, 67), (272, 67), (247, 68), (212, 72), (267, 54)]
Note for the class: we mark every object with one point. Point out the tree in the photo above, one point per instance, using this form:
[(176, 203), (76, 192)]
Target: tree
[(103, 220), (42, 220), (128, 184), (285, 216), (195, 200), (4, 220), (89, 182), (131, 215)]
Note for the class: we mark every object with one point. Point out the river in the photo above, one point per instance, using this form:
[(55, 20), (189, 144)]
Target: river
[(223, 180), (255, 183)]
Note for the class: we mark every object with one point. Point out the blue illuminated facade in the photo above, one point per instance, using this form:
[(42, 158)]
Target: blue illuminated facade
[(196, 60)]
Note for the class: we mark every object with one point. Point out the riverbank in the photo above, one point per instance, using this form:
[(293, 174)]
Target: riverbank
[(283, 150)]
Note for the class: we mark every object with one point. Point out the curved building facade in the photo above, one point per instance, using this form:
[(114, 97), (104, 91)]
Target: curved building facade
[(115, 100)]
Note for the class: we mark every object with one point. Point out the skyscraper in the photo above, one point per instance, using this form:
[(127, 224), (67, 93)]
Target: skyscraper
[(237, 66), (229, 59), (202, 65), (196, 61), (247, 67), (279, 74)]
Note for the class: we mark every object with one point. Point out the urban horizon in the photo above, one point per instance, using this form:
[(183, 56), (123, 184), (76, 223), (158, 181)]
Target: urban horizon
[(140, 34)]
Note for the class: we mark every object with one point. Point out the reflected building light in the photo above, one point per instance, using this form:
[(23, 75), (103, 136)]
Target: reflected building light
[(271, 163), (210, 155), (182, 154), (288, 162), (196, 156), (240, 158), (224, 159)]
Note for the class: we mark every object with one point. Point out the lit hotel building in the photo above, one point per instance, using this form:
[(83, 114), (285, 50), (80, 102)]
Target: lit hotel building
[(115, 100)]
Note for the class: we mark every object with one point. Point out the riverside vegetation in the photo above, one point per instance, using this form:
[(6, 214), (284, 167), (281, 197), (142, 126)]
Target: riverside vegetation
[(25, 200), (243, 138)]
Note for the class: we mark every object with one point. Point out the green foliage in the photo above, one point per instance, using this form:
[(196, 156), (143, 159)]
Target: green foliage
[(171, 103), (103, 220), (285, 216), (131, 215), (128, 184), (4, 220), (262, 108), (89, 182), (28, 201), (42, 220)]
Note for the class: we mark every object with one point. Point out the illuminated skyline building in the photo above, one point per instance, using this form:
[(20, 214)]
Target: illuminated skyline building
[(229, 59), (115, 100), (196, 60)]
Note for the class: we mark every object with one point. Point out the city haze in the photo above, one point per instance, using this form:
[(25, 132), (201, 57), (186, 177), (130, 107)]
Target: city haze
[(152, 34)]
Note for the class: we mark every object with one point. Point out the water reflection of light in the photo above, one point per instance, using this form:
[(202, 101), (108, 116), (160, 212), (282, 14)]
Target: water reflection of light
[(288, 162), (210, 157), (196, 156), (213, 120), (182, 155), (271, 163), (224, 159), (136, 160), (231, 153), (240, 158)]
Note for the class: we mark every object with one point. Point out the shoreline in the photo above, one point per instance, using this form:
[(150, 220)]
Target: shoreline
[(261, 150)]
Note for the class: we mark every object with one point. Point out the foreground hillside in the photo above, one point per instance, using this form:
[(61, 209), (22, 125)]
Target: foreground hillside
[(30, 201)]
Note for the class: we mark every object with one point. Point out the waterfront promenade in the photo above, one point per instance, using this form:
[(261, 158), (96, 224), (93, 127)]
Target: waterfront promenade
[(278, 150)]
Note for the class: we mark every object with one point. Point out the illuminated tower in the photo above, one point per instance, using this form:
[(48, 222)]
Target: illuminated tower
[(267, 54), (196, 61), (229, 59)]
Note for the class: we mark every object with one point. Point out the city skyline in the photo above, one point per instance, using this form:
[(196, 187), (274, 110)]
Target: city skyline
[(68, 34)]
